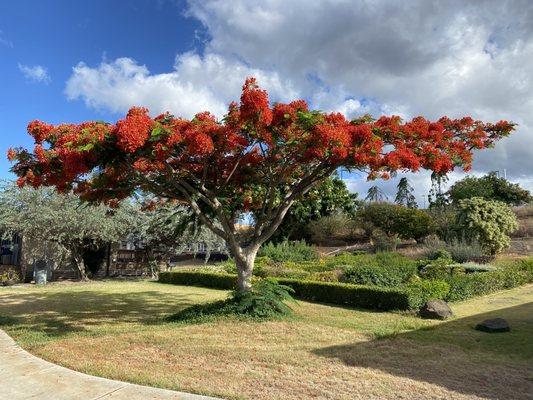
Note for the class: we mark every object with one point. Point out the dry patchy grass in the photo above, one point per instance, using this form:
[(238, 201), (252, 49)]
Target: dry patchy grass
[(116, 330)]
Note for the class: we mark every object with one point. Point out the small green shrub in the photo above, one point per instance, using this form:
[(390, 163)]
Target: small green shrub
[(378, 275), (382, 269), (440, 254), (289, 251), (440, 269), (266, 300), (421, 291), (463, 251), (325, 276), (472, 267), (9, 277)]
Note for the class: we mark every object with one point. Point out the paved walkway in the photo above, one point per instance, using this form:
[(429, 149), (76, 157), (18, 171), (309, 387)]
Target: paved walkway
[(24, 376)]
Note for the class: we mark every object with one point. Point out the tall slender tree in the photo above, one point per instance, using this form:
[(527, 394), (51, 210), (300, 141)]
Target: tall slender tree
[(437, 197), (375, 194), (404, 194), (258, 160)]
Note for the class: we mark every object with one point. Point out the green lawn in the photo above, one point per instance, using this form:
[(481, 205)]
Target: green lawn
[(117, 330)]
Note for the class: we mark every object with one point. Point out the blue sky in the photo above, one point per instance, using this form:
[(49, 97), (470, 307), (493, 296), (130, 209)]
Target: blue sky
[(58, 35), (68, 61)]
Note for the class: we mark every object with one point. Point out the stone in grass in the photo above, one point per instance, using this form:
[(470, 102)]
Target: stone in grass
[(493, 325), (435, 309)]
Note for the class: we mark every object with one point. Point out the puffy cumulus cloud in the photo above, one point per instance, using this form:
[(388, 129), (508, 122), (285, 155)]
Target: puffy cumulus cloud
[(197, 83), (409, 58), (36, 73)]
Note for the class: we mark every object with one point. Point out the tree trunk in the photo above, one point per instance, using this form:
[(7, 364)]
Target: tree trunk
[(245, 266), (80, 264)]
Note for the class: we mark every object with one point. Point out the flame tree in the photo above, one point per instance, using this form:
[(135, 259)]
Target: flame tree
[(259, 159)]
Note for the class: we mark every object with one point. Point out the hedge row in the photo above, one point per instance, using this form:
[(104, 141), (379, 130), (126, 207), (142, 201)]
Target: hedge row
[(463, 287), (203, 279), (373, 297)]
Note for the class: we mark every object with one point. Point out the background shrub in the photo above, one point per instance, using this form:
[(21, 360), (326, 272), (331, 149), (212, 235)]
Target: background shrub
[(439, 269), (487, 222), (393, 219), (382, 269), (289, 251), (421, 291)]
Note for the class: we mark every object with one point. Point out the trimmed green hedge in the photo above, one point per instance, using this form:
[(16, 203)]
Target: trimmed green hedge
[(405, 297), (203, 279), (463, 287), (373, 297)]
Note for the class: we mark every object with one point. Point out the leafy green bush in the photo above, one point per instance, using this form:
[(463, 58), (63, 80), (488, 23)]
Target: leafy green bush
[(289, 251), (510, 275), (379, 259), (487, 222), (421, 291), (266, 300), (439, 269), (325, 276), (393, 219), (368, 274), (440, 254), (9, 277)]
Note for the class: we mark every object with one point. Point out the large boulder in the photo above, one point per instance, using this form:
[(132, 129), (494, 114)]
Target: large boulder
[(436, 309), (493, 325)]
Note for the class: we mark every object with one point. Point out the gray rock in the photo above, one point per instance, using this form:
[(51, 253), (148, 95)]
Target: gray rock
[(435, 309), (493, 325)]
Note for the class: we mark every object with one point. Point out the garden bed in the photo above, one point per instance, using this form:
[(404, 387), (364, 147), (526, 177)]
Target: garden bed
[(392, 282)]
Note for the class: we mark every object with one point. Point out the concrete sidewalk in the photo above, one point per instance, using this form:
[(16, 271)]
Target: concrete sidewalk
[(24, 376)]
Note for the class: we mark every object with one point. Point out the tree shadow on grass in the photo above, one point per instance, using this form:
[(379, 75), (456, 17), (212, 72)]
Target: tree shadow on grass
[(455, 356), (60, 313)]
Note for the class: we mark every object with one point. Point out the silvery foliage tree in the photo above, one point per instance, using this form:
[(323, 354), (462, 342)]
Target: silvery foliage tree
[(168, 229), (59, 227)]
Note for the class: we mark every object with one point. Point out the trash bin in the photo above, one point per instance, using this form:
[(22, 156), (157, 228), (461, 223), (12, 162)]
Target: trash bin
[(40, 271)]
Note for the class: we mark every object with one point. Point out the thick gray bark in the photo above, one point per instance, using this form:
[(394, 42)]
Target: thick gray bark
[(244, 260)]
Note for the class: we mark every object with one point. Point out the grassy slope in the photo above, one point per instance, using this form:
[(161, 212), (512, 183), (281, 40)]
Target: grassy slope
[(115, 329)]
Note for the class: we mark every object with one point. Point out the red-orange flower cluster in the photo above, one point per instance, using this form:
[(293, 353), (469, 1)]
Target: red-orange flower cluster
[(253, 147), (133, 131)]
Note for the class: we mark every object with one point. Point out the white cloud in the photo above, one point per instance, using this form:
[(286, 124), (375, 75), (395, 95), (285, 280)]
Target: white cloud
[(36, 73), (196, 84)]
